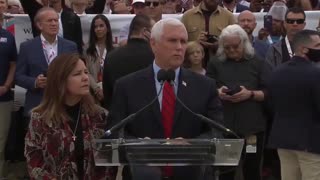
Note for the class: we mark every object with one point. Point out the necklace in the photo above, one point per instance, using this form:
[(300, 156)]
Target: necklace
[(74, 137)]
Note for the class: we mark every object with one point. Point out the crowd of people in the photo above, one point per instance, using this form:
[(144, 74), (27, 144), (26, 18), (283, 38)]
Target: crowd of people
[(265, 87)]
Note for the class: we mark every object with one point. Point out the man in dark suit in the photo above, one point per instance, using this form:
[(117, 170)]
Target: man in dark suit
[(70, 25), (294, 89), (36, 54), (166, 118), (134, 56)]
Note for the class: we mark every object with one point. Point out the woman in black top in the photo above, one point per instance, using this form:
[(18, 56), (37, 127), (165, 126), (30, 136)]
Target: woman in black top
[(241, 78)]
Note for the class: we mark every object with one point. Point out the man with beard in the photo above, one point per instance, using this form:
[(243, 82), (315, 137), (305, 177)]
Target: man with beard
[(294, 91), (281, 51), (247, 21), (69, 22), (204, 21), (276, 33)]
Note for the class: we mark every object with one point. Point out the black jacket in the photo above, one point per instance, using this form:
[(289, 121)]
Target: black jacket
[(294, 89), (134, 56)]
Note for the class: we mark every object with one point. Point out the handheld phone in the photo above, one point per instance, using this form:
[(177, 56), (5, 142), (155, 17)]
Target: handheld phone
[(44, 73), (267, 20), (232, 90), (211, 38)]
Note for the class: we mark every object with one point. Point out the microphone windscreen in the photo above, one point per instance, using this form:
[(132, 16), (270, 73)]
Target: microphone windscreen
[(162, 75), (171, 75)]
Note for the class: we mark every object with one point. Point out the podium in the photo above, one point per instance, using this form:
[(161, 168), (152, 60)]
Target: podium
[(167, 152)]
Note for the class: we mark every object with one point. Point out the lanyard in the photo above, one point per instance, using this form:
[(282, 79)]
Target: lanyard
[(101, 57), (288, 47)]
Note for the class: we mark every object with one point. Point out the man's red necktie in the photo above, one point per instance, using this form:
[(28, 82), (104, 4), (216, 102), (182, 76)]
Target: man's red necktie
[(167, 112)]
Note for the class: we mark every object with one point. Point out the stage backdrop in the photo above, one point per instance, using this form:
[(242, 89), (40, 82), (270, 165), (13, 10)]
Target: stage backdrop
[(23, 31)]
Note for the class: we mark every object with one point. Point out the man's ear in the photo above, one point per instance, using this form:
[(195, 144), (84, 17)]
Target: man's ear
[(38, 25), (153, 44)]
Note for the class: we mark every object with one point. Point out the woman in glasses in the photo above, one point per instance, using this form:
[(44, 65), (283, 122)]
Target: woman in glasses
[(241, 79)]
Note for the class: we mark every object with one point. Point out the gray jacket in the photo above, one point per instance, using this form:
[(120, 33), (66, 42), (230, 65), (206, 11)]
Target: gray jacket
[(274, 54)]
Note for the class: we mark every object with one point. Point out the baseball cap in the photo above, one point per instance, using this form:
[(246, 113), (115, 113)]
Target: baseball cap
[(278, 10), (136, 1)]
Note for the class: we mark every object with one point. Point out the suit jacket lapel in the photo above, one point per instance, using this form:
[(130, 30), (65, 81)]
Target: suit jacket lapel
[(41, 54), (182, 94), (151, 92)]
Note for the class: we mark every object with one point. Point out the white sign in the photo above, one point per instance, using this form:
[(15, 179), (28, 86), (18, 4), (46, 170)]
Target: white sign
[(23, 30)]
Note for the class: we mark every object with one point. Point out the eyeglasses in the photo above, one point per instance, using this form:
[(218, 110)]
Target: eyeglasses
[(292, 21), (154, 4), (232, 46)]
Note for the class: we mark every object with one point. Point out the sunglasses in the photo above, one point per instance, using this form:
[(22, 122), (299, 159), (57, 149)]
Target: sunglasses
[(154, 4), (292, 21)]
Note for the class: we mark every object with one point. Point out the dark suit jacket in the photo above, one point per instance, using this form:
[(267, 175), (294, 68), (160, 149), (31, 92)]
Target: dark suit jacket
[(134, 56), (136, 90), (31, 63), (70, 22), (295, 96)]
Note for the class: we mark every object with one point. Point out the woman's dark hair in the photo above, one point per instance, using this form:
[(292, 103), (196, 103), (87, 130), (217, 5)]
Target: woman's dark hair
[(93, 38)]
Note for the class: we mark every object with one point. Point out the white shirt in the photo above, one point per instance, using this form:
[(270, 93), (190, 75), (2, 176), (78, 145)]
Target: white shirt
[(50, 50)]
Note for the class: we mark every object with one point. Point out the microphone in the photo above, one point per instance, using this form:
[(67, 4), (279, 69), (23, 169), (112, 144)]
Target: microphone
[(162, 76), (171, 75), (200, 116)]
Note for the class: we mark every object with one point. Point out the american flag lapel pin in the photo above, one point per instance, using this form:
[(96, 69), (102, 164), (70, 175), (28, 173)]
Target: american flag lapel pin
[(184, 83)]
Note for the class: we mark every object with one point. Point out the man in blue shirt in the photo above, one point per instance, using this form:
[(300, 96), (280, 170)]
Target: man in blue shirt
[(8, 56)]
